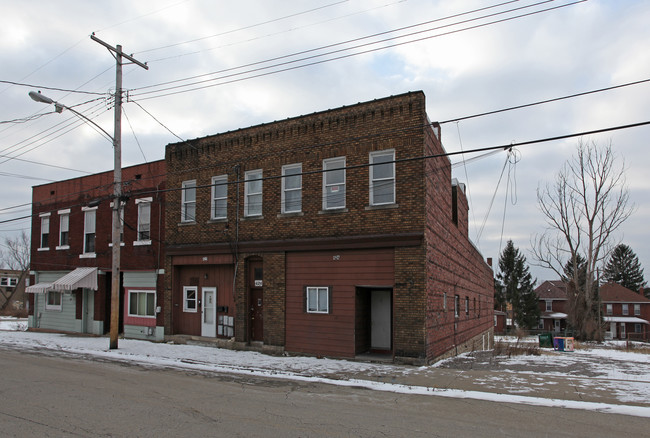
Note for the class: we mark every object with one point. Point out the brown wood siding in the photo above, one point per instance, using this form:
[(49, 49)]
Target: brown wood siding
[(219, 276), (331, 334)]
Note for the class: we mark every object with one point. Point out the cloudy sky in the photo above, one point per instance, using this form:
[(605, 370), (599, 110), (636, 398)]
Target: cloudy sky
[(216, 66)]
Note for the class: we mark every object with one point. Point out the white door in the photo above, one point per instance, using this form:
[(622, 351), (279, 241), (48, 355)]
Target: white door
[(209, 312), (88, 310), (557, 325), (380, 314), (612, 328)]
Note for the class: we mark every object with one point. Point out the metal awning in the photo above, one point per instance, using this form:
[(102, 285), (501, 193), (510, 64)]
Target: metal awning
[(80, 277), (630, 319), (38, 288)]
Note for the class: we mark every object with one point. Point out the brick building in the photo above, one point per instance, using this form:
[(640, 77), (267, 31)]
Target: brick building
[(626, 313), (71, 253), (326, 234), (553, 306)]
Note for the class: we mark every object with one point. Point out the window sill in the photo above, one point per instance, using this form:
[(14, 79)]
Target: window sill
[(382, 207), (218, 220), (142, 242), (292, 214), (253, 218), (88, 255), (110, 245), (185, 224), (43, 249), (62, 247), (334, 211)]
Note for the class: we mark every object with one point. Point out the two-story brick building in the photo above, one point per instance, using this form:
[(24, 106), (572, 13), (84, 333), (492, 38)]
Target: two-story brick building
[(71, 253), (337, 233), (552, 300), (626, 313)]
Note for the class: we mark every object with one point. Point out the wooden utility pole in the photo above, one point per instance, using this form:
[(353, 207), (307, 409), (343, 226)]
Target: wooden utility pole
[(117, 187)]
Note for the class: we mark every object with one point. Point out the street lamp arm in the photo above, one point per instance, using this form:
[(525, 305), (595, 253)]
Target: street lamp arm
[(38, 97)]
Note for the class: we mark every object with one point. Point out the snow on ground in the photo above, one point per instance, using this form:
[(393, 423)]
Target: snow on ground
[(11, 323), (624, 373)]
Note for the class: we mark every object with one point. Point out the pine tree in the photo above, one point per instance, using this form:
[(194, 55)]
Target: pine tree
[(516, 284), (623, 267)]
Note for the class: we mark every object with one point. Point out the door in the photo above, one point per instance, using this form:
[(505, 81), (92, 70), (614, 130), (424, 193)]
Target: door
[(557, 325), (612, 329), (380, 320), (209, 312), (88, 300), (256, 312)]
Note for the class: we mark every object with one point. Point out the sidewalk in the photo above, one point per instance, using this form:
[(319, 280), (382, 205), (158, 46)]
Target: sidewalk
[(606, 380)]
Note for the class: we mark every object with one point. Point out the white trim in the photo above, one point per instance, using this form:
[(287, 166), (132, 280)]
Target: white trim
[(56, 307), (220, 180), (141, 242), (148, 199), (283, 202), (141, 291), (90, 208), (374, 181), (64, 211), (63, 247), (196, 299), (316, 308), (185, 186), (252, 174), (335, 187)]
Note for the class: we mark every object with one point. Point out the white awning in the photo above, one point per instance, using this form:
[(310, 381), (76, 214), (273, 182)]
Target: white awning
[(38, 288), (80, 277), (630, 319)]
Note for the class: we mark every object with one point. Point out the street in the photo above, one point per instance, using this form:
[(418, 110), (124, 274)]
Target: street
[(67, 396)]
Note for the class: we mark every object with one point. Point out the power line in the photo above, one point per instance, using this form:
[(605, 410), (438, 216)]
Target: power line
[(51, 88)]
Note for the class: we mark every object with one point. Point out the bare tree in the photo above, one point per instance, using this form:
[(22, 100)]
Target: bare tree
[(585, 205), (15, 255)]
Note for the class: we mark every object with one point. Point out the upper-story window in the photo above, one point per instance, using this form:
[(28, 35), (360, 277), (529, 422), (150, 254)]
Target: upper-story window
[(549, 305), (253, 193), (45, 231), (334, 183), (64, 229), (90, 215), (292, 188), (637, 309), (382, 177), (8, 281), (608, 309), (144, 219), (219, 208), (188, 201), (626, 309)]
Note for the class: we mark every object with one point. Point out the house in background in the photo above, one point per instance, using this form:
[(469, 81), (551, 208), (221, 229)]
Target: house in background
[(625, 313), (553, 306), (71, 253), (327, 234), (12, 291)]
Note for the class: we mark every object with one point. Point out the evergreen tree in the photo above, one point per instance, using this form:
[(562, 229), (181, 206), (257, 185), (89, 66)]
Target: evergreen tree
[(516, 284), (623, 267)]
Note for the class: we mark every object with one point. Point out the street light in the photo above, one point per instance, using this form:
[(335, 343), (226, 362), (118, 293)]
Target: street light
[(117, 194)]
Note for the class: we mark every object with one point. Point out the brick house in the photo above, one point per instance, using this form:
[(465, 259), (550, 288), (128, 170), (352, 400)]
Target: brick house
[(553, 304), (326, 234), (71, 253), (626, 313)]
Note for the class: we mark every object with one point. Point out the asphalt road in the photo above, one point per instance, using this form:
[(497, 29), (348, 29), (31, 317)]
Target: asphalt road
[(68, 397)]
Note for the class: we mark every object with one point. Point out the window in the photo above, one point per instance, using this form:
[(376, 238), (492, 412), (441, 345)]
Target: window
[(626, 309), (623, 330), (219, 209), (318, 300), (190, 298), (637, 309), (89, 229), (188, 201), (466, 305), (253, 195), (334, 183), (456, 306), (637, 328), (45, 231), (8, 281), (540, 324), (142, 303), (609, 310), (444, 301), (144, 219), (382, 177), (292, 188), (64, 228), (549, 306), (53, 301)]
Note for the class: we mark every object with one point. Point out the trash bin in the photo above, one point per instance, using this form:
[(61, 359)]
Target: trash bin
[(563, 343), (546, 340)]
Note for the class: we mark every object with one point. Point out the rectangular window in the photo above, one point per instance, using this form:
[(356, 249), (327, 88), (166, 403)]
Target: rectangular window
[(318, 300), (142, 303), (626, 309), (334, 183), (466, 305), (219, 209), (622, 330), (540, 324), (188, 201), (637, 309), (53, 301), (45, 231), (64, 228), (456, 306), (253, 193), (382, 177), (444, 301), (89, 229), (144, 219), (190, 298), (637, 328), (549, 306), (292, 188), (8, 281), (609, 310)]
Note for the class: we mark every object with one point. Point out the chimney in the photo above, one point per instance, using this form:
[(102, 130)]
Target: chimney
[(489, 261)]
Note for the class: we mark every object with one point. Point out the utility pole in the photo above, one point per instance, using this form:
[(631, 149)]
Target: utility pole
[(117, 187)]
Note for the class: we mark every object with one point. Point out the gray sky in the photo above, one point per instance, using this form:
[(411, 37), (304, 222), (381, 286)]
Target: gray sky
[(465, 64)]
